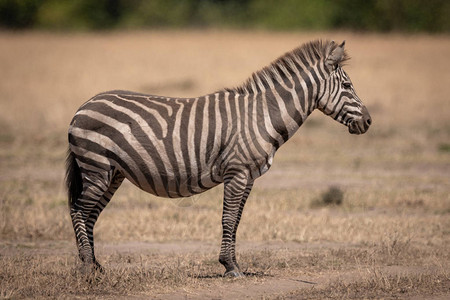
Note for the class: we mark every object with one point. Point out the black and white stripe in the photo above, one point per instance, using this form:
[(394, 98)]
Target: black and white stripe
[(178, 147)]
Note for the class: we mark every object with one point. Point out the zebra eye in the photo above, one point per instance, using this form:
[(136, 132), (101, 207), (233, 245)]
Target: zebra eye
[(346, 85)]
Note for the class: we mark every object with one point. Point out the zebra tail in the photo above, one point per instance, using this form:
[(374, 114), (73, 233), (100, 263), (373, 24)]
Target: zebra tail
[(74, 182)]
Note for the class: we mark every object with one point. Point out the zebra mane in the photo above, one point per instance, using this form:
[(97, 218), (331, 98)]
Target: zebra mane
[(307, 54)]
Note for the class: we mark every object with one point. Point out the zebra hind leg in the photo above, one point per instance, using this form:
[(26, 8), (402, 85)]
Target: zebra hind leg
[(94, 186), (234, 190), (96, 211)]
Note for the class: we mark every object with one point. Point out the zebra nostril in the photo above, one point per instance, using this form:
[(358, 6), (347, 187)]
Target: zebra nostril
[(369, 121)]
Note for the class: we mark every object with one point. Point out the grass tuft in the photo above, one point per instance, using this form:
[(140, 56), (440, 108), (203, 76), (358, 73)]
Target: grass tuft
[(444, 147), (333, 196)]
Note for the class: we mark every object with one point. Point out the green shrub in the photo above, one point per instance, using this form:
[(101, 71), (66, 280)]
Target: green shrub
[(369, 15)]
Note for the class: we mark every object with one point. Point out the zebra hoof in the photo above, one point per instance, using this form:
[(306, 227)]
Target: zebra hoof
[(90, 270), (233, 274), (90, 273), (98, 268)]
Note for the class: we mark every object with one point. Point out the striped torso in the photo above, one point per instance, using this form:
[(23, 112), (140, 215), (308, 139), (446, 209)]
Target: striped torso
[(173, 147)]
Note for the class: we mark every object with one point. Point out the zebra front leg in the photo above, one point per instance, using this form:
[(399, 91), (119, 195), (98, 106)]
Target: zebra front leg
[(241, 208), (235, 184)]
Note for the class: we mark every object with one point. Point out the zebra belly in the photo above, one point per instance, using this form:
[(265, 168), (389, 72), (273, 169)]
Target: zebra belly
[(166, 172), (171, 186)]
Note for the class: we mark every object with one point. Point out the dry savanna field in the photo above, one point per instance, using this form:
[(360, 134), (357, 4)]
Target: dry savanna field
[(389, 238)]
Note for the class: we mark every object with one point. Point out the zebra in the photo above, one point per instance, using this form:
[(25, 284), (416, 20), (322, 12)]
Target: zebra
[(179, 147)]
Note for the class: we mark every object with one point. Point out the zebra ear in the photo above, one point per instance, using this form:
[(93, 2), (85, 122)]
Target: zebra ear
[(335, 57)]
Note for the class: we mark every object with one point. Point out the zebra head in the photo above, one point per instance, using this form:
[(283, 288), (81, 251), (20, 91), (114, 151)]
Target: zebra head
[(339, 99)]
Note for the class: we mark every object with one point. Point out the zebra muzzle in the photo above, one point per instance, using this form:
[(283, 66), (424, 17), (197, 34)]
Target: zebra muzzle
[(361, 125)]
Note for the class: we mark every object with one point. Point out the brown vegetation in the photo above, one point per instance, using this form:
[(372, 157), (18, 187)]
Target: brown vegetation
[(389, 236)]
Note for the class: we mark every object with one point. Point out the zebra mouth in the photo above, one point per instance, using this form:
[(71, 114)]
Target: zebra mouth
[(353, 128)]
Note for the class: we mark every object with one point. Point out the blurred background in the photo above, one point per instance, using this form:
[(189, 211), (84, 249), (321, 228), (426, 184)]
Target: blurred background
[(55, 55), (370, 15)]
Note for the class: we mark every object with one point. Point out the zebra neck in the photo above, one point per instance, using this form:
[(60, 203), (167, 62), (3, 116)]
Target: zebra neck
[(288, 107)]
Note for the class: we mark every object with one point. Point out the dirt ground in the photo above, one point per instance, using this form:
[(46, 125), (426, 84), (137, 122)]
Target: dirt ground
[(388, 239)]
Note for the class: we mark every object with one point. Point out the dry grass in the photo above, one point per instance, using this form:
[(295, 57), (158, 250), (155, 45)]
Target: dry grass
[(377, 285), (391, 229)]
